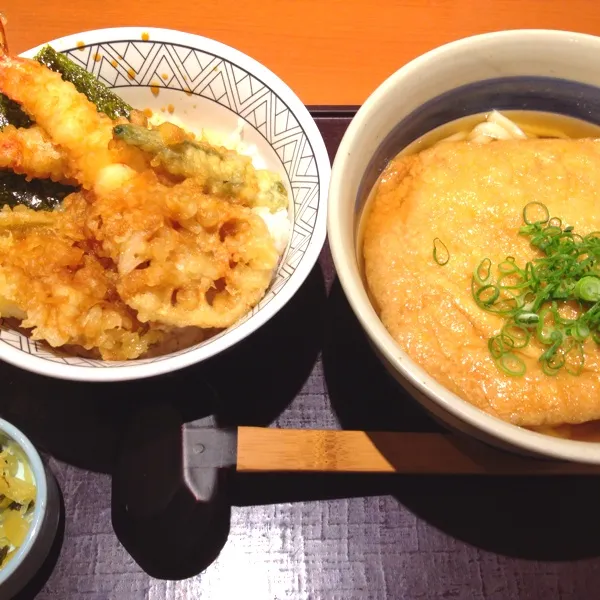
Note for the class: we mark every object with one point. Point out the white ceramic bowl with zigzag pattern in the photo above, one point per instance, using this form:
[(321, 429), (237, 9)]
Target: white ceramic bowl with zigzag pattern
[(203, 84)]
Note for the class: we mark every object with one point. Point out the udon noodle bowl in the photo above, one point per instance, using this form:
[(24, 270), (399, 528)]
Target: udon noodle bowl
[(482, 258)]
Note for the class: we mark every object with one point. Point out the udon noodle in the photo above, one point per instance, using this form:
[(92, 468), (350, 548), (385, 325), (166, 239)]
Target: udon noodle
[(495, 127)]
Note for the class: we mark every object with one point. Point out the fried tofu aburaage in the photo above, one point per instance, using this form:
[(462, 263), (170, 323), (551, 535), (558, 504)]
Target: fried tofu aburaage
[(471, 196)]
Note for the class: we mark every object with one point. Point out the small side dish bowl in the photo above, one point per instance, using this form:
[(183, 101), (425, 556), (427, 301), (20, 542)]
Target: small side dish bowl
[(542, 70), (20, 568), (202, 85)]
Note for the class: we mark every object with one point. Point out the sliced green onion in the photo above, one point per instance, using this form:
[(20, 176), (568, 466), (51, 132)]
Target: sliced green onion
[(548, 370), (483, 271), (492, 291), (556, 340), (543, 331), (518, 335), (593, 237), (527, 318), (574, 358), (581, 331), (535, 213), (508, 266), (565, 273), (555, 223), (556, 361), (496, 346), (588, 289), (511, 364), (441, 255)]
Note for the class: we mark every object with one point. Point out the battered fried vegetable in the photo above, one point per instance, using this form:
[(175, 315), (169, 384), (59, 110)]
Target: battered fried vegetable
[(68, 117), (95, 91), (271, 191), (16, 188), (223, 172), (107, 102), (65, 294), (29, 151), (184, 258)]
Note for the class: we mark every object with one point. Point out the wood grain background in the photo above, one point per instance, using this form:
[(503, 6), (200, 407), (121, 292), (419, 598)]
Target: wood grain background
[(328, 51)]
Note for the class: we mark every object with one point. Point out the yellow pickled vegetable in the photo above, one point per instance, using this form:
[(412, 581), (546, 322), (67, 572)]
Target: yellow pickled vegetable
[(16, 489), (14, 527), (17, 497)]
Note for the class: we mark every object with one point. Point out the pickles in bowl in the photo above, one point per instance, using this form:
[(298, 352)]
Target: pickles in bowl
[(17, 498), (29, 510)]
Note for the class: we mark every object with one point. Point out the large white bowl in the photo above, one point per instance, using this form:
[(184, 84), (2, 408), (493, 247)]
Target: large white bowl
[(209, 85), (523, 69)]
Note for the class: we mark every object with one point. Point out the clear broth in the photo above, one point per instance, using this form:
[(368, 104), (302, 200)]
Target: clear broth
[(532, 123)]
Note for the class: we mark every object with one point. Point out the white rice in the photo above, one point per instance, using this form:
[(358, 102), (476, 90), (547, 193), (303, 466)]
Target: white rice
[(278, 223)]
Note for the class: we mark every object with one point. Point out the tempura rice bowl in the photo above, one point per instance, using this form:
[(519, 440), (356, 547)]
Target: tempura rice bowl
[(230, 99)]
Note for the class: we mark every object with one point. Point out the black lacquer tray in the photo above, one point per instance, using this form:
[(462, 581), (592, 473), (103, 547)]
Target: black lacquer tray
[(351, 537)]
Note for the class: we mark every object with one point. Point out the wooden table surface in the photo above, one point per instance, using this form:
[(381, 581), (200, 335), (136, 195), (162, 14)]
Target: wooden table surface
[(328, 51)]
